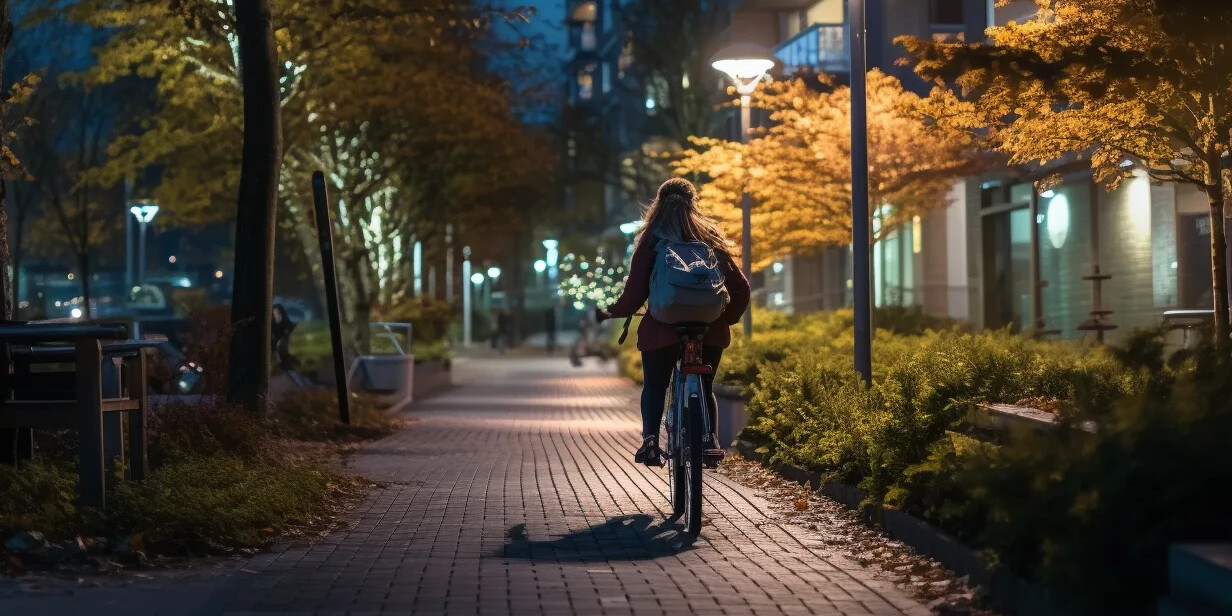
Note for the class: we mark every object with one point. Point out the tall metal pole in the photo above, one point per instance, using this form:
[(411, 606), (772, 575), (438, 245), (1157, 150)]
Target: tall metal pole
[(1037, 285), (325, 234), (746, 216), (417, 268), (141, 252), (449, 264), (128, 240), (466, 296), (860, 236)]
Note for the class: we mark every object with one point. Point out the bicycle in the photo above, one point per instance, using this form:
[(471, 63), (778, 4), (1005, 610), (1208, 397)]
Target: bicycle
[(686, 423)]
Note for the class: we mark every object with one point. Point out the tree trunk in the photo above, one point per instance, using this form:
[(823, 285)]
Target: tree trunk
[(1219, 266), (361, 306), (256, 212)]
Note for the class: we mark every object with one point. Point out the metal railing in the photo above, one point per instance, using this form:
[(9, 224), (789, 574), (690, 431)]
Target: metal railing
[(821, 47)]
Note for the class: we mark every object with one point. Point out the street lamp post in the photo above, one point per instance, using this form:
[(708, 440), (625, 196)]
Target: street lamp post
[(860, 237), (493, 275), (541, 266), (466, 296), (553, 255), (746, 65), (144, 214)]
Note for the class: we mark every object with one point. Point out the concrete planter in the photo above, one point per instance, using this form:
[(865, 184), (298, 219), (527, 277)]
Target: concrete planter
[(390, 379), (430, 378), (396, 380), (732, 414)]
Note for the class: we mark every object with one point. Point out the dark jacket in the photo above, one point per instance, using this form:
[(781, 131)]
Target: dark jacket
[(652, 334)]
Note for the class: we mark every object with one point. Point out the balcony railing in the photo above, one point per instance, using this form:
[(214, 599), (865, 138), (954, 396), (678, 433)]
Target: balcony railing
[(821, 47)]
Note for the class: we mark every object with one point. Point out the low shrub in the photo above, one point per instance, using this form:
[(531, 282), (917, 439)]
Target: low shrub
[(219, 503), (222, 479), (1093, 517), (312, 415), (430, 317), (1089, 516), (182, 431), (38, 495)]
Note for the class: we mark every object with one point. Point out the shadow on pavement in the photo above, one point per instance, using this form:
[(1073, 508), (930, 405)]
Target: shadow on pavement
[(630, 537)]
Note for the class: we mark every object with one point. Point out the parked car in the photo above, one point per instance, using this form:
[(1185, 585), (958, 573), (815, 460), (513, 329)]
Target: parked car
[(170, 372)]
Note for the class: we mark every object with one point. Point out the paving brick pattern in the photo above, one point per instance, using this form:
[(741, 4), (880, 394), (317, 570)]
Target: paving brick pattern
[(514, 494)]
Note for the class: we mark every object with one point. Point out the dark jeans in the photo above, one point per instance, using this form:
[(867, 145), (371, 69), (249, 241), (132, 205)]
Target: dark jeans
[(657, 366)]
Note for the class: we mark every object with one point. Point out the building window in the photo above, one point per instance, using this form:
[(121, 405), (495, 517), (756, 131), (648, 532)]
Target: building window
[(585, 85), (607, 77), (607, 15), (947, 13), (626, 58), (587, 40)]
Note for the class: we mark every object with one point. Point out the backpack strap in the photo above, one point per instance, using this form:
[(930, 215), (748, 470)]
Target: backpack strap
[(625, 332)]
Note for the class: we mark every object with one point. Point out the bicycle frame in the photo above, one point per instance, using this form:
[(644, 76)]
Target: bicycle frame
[(687, 385)]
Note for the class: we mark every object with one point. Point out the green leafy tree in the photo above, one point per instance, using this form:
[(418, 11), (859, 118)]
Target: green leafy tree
[(1102, 80), (384, 96)]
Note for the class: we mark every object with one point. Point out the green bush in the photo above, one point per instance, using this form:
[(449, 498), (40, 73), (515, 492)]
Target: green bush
[(218, 504), (181, 431), (38, 496), (312, 415), (222, 479), (1089, 516), (1092, 517)]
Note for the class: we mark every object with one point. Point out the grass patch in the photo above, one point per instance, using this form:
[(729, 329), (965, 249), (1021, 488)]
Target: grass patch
[(312, 415), (222, 480)]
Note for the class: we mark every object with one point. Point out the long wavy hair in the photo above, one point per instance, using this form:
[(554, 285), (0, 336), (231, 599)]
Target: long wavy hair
[(674, 215)]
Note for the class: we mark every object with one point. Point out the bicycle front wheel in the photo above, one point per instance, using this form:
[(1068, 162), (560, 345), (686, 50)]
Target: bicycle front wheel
[(692, 461), (676, 475)]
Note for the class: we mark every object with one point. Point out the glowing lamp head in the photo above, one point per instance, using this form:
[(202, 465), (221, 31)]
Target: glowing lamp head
[(745, 64), (742, 69), (629, 228), (477, 278), (541, 266), (144, 213), (494, 272)]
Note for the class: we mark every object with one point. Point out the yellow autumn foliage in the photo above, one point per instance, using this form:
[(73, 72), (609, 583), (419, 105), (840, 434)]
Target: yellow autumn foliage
[(798, 170)]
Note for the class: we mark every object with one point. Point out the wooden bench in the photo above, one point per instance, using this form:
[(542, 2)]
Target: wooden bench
[(80, 399)]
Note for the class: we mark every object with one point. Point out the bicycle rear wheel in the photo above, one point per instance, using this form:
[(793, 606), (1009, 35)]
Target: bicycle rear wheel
[(691, 455), (675, 461)]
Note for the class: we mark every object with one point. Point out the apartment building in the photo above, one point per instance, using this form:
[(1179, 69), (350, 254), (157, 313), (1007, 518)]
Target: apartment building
[(1145, 245)]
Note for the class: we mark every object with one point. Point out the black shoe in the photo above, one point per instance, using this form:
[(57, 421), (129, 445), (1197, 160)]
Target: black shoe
[(712, 454), (649, 453)]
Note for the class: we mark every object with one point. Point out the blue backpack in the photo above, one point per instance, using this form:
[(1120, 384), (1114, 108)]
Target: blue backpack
[(686, 284)]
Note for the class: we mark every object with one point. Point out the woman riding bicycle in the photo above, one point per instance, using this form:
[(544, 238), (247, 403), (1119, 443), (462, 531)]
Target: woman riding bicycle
[(674, 216)]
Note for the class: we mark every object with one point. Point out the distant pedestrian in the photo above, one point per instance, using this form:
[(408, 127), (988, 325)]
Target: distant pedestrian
[(500, 339), (281, 327), (549, 327)]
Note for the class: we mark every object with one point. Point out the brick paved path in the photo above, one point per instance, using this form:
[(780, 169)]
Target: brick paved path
[(514, 494)]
